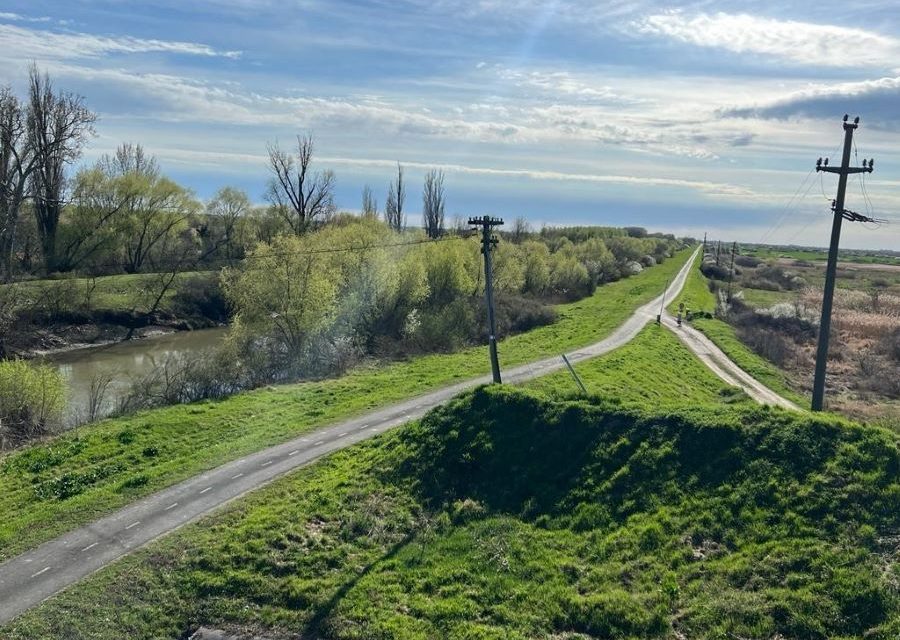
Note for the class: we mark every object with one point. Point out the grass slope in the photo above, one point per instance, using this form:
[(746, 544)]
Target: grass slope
[(51, 488), (654, 369), (697, 297), (503, 515)]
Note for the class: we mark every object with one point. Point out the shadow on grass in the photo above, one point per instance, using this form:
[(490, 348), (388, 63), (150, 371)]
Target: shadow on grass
[(314, 628)]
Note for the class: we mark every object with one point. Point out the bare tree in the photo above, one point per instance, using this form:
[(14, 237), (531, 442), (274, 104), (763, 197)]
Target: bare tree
[(369, 203), (16, 165), (433, 201), (393, 207), (521, 230), (298, 195), (58, 126)]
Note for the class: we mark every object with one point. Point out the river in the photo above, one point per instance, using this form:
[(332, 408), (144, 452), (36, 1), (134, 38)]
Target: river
[(123, 362)]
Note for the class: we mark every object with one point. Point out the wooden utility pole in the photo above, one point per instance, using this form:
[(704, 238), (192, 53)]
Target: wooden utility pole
[(704, 247), (488, 242), (818, 398), (731, 272)]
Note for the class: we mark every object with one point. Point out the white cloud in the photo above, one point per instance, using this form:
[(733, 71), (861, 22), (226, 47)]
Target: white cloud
[(18, 17), (241, 160), (22, 43), (790, 40)]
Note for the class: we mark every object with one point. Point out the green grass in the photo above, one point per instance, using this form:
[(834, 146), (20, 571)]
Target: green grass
[(654, 369), (118, 293), (762, 299), (810, 255), (503, 515), (722, 334), (48, 489), (696, 295)]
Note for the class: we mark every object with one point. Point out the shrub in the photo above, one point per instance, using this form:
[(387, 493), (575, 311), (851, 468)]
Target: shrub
[(714, 271), (200, 297), (32, 398), (747, 261), (570, 279)]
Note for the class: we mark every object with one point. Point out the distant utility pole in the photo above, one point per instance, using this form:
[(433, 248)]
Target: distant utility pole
[(731, 272), (718, 251), (488, 242), (704, 246), (818, 399)]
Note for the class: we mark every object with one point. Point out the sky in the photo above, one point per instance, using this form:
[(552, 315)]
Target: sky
[(682, 117)]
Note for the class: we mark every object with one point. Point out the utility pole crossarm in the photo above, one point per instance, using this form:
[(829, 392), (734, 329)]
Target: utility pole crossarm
[(848, 170)]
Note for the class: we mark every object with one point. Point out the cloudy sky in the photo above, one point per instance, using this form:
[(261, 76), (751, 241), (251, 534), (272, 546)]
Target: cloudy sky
[(681, 117)]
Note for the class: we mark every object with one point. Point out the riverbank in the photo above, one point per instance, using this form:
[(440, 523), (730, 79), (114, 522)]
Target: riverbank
[(47, 317)]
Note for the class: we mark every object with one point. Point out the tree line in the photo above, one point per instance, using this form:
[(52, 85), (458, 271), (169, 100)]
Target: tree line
[(123, 215)]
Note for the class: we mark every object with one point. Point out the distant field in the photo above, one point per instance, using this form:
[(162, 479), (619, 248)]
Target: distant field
[(812, 255), (48, 489)]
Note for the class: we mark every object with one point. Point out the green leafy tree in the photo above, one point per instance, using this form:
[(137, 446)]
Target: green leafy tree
[(285, 291)]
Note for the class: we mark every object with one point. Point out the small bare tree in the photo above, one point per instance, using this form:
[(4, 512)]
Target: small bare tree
[(433, 201), (299, 196), (369, 203), (393, 207), (521, 230)]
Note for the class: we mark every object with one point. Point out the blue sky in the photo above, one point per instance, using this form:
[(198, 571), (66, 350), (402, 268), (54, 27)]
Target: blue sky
[(683, 117)]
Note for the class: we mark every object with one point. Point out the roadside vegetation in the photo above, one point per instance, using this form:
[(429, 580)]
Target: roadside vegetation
[(654, 369), (770, 326), (507, 515), (49, 488)]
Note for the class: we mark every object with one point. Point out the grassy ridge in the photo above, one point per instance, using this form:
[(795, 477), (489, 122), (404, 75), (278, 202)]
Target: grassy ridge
[(653, 369), (697, 297), (722, 334), (504, 515), (48, 489)]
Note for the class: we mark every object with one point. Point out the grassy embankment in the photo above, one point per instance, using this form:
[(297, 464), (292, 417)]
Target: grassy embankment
[(125, 293), (506, 515), (654, 369), (83, 474), (697, 297)]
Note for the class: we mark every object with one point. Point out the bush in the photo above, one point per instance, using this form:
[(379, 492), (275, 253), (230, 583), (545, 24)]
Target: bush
[(32, 398), (747, 261), (714, 271), (200, 297)]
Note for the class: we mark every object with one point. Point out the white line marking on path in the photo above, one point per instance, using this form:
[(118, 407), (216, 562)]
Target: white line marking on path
[(320, 442), (205, 490), (236, 476), (341, 435), (90, 546), (267, 463), (133, 524), (44, 570), (294, 452), (171, 506)]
